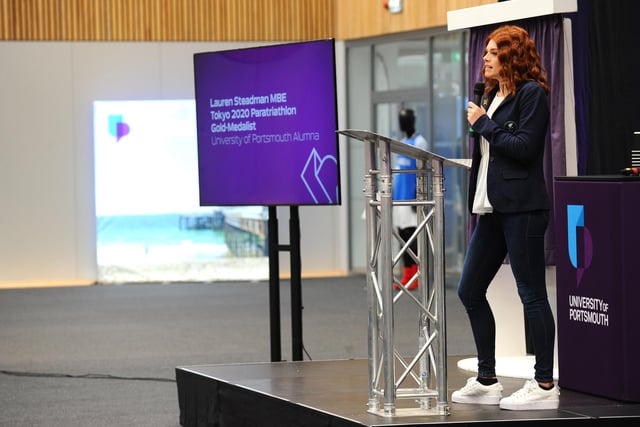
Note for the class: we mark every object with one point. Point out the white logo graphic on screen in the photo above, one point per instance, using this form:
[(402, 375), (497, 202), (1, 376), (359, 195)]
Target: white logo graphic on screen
[(312, 177)]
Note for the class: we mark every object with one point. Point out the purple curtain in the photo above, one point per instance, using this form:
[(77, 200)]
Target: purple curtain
[(548, 34)]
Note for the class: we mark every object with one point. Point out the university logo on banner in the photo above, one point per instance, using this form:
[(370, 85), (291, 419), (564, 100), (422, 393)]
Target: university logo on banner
[(579, 243), (582, 308)]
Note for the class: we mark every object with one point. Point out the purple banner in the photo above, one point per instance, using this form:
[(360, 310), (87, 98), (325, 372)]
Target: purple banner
[(597, 285)]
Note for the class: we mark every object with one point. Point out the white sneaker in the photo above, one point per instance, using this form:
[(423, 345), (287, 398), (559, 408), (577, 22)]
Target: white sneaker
[(474, 392), (531, 396)]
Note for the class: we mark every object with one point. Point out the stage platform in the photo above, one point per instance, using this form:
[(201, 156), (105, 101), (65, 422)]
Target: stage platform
[(334, 393)]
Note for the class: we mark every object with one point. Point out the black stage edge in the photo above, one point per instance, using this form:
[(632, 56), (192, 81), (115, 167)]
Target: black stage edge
[(334, 393)]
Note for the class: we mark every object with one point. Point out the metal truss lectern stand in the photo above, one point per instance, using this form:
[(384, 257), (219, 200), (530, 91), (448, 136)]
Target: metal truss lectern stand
[(425, 372)]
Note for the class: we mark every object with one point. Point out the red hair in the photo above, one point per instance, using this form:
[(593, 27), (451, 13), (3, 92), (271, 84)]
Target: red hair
[(519, 59)]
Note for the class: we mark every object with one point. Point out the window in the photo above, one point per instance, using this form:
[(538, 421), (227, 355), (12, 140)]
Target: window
[(424, 72)]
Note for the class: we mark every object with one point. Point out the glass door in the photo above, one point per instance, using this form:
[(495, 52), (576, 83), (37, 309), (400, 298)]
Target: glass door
[(426, 73)]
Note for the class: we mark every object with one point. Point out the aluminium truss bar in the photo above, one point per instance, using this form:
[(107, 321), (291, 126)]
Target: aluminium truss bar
[(389, 370)]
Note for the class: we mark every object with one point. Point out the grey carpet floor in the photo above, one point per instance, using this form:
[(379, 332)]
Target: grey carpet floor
[(105, 355)]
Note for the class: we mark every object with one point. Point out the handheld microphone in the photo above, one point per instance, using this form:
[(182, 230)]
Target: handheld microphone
[(478, 91)]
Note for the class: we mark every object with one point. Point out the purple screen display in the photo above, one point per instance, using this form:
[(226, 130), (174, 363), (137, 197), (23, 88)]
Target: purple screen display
[(266, 122)]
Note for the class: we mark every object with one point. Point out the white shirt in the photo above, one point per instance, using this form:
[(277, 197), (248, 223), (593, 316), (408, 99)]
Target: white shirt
[(481, 203)]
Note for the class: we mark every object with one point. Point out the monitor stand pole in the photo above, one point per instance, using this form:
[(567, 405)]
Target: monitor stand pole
[(274, 284)]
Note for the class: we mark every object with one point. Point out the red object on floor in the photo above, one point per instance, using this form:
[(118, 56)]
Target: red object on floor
[(407, 274)]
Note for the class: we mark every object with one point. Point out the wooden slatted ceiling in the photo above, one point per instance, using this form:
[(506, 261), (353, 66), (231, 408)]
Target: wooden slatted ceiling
[(216, 20), (166, 20)]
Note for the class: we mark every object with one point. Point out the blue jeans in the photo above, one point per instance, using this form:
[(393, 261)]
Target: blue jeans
[(521, 237)]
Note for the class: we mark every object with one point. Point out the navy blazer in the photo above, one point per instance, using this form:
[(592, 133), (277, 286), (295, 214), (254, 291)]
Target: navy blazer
[(516, 133)]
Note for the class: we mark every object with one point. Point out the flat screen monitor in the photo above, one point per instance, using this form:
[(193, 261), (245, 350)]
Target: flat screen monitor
[(266, 125)]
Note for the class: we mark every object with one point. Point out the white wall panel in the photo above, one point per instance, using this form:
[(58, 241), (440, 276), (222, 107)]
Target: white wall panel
[(47, 220)]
